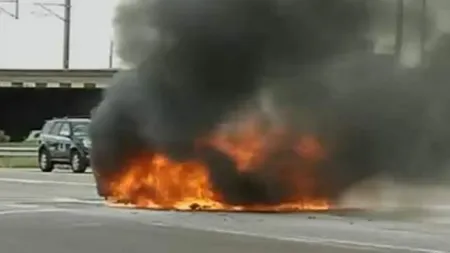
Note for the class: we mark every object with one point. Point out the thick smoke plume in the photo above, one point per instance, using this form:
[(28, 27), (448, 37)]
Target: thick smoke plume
[(194, 63)]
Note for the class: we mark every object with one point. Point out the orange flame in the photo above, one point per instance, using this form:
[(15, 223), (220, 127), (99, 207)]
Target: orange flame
[(154, 181)]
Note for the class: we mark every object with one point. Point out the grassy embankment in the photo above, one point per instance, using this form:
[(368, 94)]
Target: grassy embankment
[(18, 162)]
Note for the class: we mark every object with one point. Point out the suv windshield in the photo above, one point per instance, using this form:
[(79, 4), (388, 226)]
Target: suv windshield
[(47, 127), (80, 128)]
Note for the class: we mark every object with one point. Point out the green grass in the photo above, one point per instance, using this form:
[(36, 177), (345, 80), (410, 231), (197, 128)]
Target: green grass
[(18, 162)]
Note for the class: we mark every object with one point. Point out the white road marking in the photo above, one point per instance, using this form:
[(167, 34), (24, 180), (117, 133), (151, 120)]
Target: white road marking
[(330, 241), (33, 181), (21, 206), (312, 240), (88, 225), (59, 171), (303, 239), (47, 210), (21, 170), (73, 200)]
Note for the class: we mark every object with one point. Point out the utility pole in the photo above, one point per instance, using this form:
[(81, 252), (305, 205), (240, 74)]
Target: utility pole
[(15, 14), (67, 20), (67, 25), (111, 53), (423, 32), (399, 30)]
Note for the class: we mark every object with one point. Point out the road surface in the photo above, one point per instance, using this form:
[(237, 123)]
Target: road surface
[(59, 212)]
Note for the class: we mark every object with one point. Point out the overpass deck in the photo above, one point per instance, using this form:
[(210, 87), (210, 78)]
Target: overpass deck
[(55, 78)]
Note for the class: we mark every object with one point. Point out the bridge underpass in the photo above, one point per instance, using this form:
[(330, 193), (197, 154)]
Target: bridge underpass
[(29, 97)]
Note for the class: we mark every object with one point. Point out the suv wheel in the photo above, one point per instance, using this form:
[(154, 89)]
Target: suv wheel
[(45, 162), (77, 162)]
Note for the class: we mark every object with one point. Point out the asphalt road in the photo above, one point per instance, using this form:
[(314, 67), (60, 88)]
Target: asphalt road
[(59, 212)]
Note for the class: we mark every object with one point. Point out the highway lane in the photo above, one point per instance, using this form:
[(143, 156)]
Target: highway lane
[(33, 184), (59, 212), (99, 234)]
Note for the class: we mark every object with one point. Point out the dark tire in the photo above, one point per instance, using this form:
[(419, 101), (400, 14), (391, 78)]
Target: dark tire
[(78, 162), (101, 186), (45, 161)]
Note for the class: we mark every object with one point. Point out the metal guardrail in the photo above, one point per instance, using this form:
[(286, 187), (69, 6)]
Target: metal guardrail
[(18, 154), (18, 151)]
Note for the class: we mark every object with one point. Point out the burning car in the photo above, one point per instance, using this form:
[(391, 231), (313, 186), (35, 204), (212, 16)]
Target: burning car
[(175, 132)]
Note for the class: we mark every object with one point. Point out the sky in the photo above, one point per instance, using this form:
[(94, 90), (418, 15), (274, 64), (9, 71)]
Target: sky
[(35, 40)]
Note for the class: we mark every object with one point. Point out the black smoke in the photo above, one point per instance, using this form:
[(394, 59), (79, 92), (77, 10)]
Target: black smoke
[(193, 63)]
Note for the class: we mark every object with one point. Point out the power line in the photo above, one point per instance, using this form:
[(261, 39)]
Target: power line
[(47, 7), (67, 19), (14, 14)]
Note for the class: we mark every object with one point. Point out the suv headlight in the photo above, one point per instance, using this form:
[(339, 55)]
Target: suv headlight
[(87, 143)]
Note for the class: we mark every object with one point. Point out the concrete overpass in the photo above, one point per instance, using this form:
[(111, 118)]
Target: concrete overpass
[(56, 78), (30, 96)]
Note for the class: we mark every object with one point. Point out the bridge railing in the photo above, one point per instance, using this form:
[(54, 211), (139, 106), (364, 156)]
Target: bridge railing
[(56, 78), (58, 72)]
